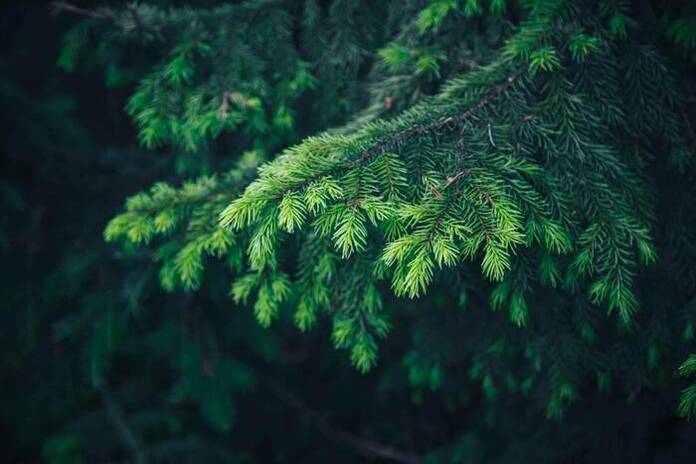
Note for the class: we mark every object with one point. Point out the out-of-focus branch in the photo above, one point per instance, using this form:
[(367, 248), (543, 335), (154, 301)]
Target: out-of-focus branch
[(363, 446), (118, 419), (58, 7), (133, 22)]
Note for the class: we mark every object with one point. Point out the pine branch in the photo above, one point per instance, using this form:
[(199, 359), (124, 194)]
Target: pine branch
[(405, 134)]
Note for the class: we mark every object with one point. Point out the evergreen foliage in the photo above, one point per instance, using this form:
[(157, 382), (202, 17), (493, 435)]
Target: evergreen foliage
[(522, 165), (487, 205)]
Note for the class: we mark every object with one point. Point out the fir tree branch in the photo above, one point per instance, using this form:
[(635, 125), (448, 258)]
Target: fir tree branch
[(405, 134), (414, 130)]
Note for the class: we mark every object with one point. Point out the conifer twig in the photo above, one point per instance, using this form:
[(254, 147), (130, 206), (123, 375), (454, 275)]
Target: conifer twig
[(400, 136)]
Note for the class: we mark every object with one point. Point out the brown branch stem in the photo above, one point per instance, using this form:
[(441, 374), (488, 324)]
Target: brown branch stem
[(416, 130)]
